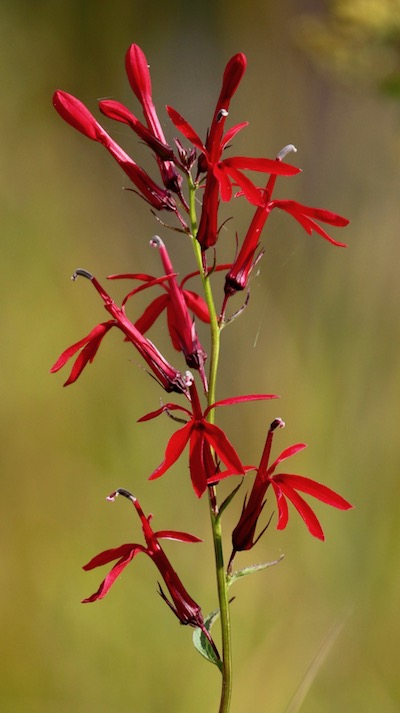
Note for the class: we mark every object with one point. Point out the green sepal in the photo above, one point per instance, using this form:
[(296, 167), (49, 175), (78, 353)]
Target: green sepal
[(231, 578), (229, 498), (202, 644)]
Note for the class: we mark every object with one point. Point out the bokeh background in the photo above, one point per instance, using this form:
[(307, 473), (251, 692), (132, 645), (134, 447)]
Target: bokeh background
[(320, 632)]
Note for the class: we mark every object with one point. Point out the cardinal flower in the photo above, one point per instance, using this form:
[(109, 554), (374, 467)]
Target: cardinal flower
[(137, 69), (79, 117), (238, 276), (222, 173), (183, 606), (167, 376), (285, 487), (203, 437), (177, 302)]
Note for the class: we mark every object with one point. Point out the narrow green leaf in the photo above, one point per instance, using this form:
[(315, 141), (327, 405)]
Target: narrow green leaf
[(251, 569), (229, 498), (202, 644)]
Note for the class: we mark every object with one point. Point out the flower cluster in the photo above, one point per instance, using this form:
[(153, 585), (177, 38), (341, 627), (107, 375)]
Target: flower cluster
[(202, 167)]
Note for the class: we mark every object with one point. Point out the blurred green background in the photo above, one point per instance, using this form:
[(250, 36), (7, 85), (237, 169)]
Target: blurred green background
[(320, 632)]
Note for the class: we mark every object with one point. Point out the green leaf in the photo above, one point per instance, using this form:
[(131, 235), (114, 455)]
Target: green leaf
[(202, 644), (229, 498), (251, 569)]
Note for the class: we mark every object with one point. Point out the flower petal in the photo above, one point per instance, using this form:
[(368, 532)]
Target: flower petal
[(90, 345), (151, 313), (113, 575), (197, 305), (162, 409), (287, 453), (232, 133), (74, 112), (176, 535), (176, 445), (303, 508), (283, 510), (197, 465), (138, 73), (109, 556), (224, 182), (265, 165), (223, 447), (240, 400), (317, 490), (184, 127)]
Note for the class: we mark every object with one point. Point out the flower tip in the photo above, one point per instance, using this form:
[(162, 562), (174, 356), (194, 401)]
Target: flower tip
[(222, 114), (188, 378), (277, 423), (156, 242), (286, 149), (80, 272)]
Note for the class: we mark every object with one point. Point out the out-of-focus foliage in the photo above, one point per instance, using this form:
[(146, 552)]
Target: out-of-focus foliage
[(357, 40)]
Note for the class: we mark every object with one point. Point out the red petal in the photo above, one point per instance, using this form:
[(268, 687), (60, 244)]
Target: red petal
[(251, 192), (197, 467), (197, 305), (287, 453), (147, 284), (90, 345), (162, 409), (223, 447), (325, 216), (151, 313), (266, 165), (303, 508), (225, 186), (77, 115), (317, 490), (132, 276), (176, 445), (283, 510), (240, 400), (184, 127), (232, 132), (109, 556), (175, 535), (113, 575), (138, 73), (299, 213)]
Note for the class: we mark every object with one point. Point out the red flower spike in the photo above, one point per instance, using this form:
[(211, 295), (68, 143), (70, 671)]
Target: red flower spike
[(166, 375), (203, 438), (285, 487), (183, 606), (79, 117), (138, 73)]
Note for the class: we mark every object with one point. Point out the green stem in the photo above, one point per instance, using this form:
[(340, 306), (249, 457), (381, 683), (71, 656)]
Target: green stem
[(222, 583)]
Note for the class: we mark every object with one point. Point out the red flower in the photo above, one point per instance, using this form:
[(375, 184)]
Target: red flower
[(177, 302), (238, 276), (203, 437), (168, 377), (221, 174), (77, 115), (137, 69), (183, 606), (285, 486)]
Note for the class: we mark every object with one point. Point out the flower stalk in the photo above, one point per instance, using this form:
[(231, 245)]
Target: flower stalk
[(212, 457)]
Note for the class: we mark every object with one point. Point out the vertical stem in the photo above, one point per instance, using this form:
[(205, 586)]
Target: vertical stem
[(222, 584)]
